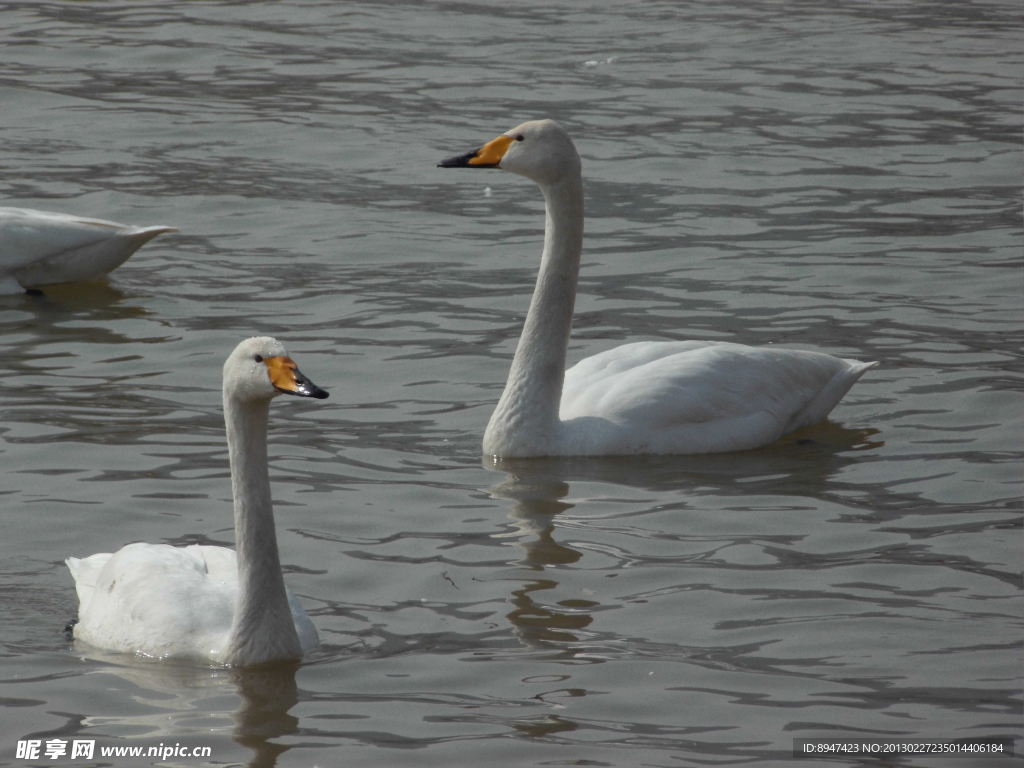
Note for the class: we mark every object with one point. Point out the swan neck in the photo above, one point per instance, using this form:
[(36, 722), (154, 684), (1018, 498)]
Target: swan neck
[(263, 629), (526, 420)]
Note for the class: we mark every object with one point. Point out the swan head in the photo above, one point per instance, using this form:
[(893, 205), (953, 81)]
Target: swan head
[(540, 150), (260, 369)]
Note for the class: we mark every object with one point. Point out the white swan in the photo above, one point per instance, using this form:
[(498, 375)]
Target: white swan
[(40, 247), (647, 397), (207, 602)]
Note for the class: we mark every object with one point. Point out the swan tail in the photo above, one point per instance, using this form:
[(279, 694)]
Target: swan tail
[(85, 571), (143, 235), (9, 286), (828, 398)]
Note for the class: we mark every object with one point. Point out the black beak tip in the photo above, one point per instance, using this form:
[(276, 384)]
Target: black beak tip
[(305, 388), (459, 161), (308, 389)]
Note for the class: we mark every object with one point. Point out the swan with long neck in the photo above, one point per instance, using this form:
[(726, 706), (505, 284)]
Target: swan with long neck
[(44, 247), (642, 398), (206, 602)]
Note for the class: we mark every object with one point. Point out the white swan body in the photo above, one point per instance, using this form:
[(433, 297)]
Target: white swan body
[(198, 591), (207, 602), (644, 398), (41, 247)]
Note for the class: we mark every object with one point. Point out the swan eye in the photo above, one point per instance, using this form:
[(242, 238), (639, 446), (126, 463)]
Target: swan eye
[(519, 137), (258, 358)]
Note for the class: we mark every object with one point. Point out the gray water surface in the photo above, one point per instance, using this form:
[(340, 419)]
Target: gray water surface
[(837, 177)]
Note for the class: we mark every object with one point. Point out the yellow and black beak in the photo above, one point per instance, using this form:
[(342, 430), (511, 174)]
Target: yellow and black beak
[(286, 377), (488, 156)]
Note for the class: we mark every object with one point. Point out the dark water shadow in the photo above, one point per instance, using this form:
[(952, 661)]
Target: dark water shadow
[(74, 297), (44, 314)]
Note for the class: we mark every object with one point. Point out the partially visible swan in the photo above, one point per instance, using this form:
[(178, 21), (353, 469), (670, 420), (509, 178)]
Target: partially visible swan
[(207, 602), (40, 247), (642, 398)]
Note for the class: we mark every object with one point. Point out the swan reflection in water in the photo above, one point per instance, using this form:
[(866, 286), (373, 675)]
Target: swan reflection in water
[(267, 696), (806, 462), (538, 500), (193, 703)]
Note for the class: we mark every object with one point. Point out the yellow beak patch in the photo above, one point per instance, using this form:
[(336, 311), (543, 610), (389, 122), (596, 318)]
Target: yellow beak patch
[(490, 154), (282, 372)]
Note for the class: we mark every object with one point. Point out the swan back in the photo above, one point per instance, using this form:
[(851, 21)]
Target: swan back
[(697, 397), (156, 600), (27, 235), (44, 247)]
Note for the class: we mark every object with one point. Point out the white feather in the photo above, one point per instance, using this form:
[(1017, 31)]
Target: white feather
[(42, 247)]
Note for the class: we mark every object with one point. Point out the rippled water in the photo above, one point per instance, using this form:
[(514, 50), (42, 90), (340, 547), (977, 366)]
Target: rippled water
[(839, 177)]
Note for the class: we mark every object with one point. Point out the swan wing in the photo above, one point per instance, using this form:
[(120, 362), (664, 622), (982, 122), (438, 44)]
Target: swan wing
[(221, 563), (27, 236), (42, 247), (160, 600), (697, 397)]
